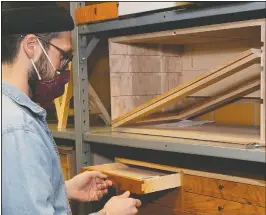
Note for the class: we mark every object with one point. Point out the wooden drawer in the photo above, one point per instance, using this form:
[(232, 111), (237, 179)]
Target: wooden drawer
[(63, 159), (204, 205), (157, 209), (68, 161), (239, 192), (138, 180)]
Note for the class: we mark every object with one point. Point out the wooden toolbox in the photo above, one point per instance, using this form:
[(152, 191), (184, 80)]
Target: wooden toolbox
[(173, 191), (213, 74)]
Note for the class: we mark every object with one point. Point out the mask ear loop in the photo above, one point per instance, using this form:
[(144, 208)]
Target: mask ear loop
[(46, 55), (38, 74)]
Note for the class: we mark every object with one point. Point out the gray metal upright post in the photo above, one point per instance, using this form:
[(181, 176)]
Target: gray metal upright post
[(81, 105)]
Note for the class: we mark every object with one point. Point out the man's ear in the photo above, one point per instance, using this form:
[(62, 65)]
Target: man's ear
[(31, 47)]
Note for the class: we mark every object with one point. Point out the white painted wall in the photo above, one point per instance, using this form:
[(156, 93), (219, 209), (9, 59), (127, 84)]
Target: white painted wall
[(126, 8)]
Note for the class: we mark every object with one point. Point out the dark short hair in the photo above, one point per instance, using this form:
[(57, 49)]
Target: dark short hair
[(11, 45)]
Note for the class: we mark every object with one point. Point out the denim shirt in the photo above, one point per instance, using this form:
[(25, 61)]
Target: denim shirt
[(32, 178)]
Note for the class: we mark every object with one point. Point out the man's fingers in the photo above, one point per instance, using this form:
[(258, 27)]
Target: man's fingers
[(99, 194), (138, 203), (97, 174), (109, 183), (135, 202), (125, 195), (101, 186)]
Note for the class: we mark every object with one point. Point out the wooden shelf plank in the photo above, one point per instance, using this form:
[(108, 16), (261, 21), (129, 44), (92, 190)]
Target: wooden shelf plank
[(220, 133)]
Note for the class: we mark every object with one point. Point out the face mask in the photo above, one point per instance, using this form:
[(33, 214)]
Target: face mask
[(45, 91)]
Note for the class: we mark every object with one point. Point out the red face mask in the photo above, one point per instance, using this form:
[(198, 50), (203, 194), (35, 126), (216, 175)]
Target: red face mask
[(44, 91)]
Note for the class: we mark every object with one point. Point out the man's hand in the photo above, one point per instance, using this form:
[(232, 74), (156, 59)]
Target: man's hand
[(88, 186), (121, 205)]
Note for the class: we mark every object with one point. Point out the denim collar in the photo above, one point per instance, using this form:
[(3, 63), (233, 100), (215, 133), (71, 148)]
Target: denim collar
[(22, 99)]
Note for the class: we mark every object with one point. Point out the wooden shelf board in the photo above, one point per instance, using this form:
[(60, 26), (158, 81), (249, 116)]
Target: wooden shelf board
[(210, 132)]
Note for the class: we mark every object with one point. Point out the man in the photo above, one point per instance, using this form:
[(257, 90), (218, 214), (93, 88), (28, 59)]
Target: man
[(36, 50)]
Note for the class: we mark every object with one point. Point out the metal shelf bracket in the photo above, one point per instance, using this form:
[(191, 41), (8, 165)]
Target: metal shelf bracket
[(90, 47)]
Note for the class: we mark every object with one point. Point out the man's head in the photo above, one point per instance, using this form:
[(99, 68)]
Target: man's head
[(36, 39), (49, 52)]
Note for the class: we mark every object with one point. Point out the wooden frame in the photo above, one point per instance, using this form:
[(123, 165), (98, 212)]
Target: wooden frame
[(193, 32), (242, 61), (95, 100), (212, 103), (143, 45), (62, 105)]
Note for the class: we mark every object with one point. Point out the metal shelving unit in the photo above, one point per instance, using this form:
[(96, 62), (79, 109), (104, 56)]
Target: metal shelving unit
[(151, 22), (214, 13), (206, 148)]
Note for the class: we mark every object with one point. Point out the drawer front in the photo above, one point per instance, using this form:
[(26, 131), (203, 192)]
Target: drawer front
[(243, 193), (136, 179), (126, 184), (68, 161), (205, 205), (66, 173), (157, 209), (63, 159)]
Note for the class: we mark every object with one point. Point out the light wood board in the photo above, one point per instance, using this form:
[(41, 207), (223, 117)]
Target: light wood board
[(199, 58), (219, 133), (212, 103), (62, 103), (228, 30), (104, 114)]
